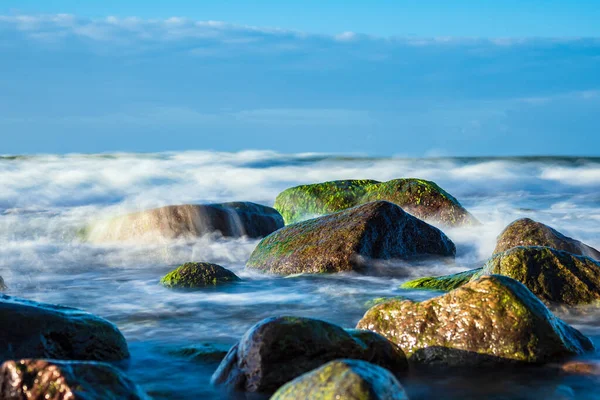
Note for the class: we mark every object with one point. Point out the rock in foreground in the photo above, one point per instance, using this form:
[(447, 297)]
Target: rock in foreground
[(197, 275), (342, 241), (277, 350), (344, 379), (187, 221), (56, 380), (421, 198), (491, 320), (36, 330), (527, 232)]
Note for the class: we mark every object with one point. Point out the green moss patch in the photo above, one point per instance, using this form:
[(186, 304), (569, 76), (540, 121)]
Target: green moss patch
[(197, 275)]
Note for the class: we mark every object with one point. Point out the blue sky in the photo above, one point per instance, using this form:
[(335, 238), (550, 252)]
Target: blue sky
[(382, 78)]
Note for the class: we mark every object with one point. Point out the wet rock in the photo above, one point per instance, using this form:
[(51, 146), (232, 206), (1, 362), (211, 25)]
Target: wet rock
[(444, 282), (197, 275), (552, 275), (527, 232), (379, 300), (344, 379), (187, 221), (344, 240), (205, 352), (423, 199), (277, 350), (65, 380), (2, 284), (492, 320), (37, 330), (590, 368)]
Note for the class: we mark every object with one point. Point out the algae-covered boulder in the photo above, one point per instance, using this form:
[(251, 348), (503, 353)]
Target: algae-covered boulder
[(277, 350), (196, 275), (527, 232), (344, 240), (344, 379), (494, 319), (36, 330), (444, 282), (552, 275), (187, 221), (65, 380), (421, 198)]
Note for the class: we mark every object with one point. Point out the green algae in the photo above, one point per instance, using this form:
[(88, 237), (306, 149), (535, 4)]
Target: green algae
[(196, 275), (444, 282)]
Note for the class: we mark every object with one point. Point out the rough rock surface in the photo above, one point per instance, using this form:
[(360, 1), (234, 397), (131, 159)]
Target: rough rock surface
[(344, 240), (65, 380), (527, 232), (187, 221), (36, 330), (344, 379), (196, 275), (444, 282), (491, 320), (421, 198), (277, 350)]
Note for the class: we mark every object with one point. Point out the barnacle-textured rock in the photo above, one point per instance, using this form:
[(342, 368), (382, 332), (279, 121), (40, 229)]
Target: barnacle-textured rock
[(444, 282), (491, 320), (342, 241), (421, 198), (36, 330), (344, 379), (187, 221), (196, 275), (277, 350), (65, 380), (527, 232)]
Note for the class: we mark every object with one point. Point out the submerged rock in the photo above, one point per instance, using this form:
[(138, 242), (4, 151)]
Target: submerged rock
[(205, 352), (277, 350), (187, 221), (195, 275), (65, 380), (444, 282), (36, 330), (421, 198), (342, 241), (527, 232), (590, 368), (344, 379), (552, 275), (491, 320)]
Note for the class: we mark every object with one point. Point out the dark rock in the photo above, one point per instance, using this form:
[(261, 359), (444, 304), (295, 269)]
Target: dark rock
[(187, 221), (204, 352), (195, 275), (344, 379), (277, 350), (65, 380), (423, 199), (36, 330), (491, 320), (526, 232), (344, 240)]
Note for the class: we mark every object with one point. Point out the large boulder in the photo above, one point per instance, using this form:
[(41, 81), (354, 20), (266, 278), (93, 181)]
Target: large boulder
[(527, 232), (36, 330), (198, 275), (491, 320), (421, 198), (187, 221), (344, 379), (65, 380), (277, 350), (344, 240)]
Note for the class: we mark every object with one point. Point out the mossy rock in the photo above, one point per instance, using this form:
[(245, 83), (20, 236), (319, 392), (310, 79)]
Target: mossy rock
[(527, 232), (197, 275), (65, 380), (421, 198), (187, 221), (444, 282), (552, 275), (205, 352), (37, 330), (492, 320), (379, 300), (347, 240), (344, 379), (277, 350)]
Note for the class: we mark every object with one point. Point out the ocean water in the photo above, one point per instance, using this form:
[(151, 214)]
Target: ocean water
[(45, 199)]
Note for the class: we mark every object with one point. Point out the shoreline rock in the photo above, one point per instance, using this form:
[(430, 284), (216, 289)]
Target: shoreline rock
[(198, 275)]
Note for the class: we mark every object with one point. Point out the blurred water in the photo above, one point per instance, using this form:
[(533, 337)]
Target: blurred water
[(45, 199)]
